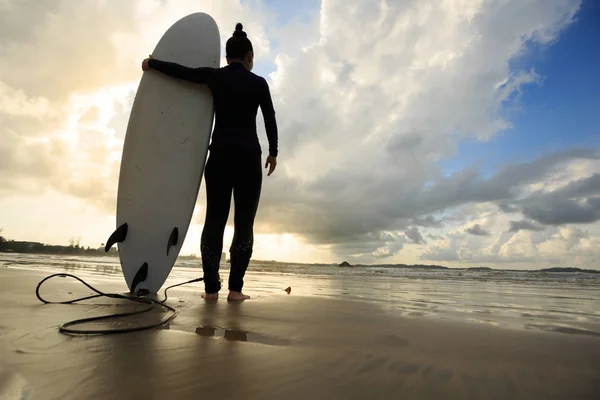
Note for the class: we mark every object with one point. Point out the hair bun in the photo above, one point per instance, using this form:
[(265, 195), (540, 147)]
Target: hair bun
[(239, 31)]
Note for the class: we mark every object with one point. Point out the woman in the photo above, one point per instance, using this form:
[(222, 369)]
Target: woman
[(234, 163)]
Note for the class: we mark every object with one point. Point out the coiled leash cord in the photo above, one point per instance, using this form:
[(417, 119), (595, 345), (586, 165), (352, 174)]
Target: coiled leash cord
[(64, 328)]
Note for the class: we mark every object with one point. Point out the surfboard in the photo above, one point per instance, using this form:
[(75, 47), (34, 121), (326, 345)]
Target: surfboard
[(164, 153)]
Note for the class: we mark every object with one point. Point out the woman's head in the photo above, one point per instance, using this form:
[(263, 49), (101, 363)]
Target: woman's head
[(239, 48)]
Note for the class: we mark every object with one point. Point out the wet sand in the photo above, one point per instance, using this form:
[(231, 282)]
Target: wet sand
[(277, 346)]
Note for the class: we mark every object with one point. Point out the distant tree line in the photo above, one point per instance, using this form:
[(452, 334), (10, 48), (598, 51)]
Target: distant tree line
[(74, 247)]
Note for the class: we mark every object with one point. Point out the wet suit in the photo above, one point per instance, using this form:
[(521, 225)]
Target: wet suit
[(234, 164)]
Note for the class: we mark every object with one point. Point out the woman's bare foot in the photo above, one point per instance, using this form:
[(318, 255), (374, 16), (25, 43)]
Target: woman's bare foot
[(210, 296), (237, 296)]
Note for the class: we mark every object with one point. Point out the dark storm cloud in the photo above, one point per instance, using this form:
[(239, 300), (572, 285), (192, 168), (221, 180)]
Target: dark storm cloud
[(564, 211), (525, 225), (477, 230), (577, 202), (413, 234)]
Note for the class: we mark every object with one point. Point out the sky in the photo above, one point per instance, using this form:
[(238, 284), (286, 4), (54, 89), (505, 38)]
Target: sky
[(456, 132)]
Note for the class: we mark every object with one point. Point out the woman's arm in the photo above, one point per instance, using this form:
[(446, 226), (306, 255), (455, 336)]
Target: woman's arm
[(266, 106), (197, 75)]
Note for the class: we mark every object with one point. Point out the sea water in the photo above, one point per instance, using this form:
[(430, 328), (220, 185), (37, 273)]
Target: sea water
[(566, 302)]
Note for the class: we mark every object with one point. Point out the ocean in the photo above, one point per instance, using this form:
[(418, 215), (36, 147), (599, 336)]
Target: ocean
[(567, 302)]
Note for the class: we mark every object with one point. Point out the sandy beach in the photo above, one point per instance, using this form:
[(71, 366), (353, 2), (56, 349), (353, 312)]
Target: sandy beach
[(278, 345)]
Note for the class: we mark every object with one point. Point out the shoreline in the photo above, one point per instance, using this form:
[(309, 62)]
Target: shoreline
[(551, 302)]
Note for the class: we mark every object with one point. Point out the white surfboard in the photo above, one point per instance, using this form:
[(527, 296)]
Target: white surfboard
[(164, 154)]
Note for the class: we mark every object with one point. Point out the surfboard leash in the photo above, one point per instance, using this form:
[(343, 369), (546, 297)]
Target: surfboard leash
[(151, 303)]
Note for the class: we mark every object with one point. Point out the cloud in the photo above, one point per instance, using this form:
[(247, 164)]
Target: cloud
[(435, 237), (576, 202), (516, 226), (413, 234), (477, 230), (524, 244), (428, 221), (68, 76), (28, 166), (15, 103), (522, 249), (52, 49), (393, 86), (560, 212)]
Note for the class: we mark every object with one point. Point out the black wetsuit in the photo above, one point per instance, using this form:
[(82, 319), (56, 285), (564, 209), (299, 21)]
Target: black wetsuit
[(234, 165)]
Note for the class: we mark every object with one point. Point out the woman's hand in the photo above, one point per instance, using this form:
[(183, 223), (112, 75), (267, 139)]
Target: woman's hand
[(271, 163), (145, 66)]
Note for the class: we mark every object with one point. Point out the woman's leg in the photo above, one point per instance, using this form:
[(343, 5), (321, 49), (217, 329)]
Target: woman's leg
[(246, 196), (218, 199)]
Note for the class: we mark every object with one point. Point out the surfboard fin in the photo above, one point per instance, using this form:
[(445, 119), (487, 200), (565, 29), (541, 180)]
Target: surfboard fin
[(173, 239), (140, 276), (117, 236)]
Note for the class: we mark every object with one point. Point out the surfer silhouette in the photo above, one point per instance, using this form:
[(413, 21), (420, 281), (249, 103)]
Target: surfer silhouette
[(234, 162)]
